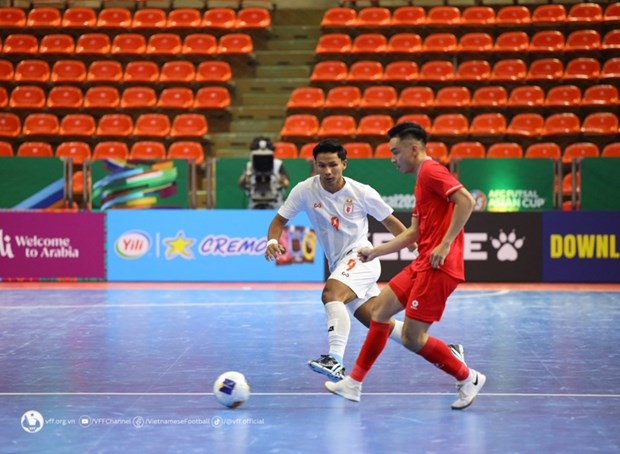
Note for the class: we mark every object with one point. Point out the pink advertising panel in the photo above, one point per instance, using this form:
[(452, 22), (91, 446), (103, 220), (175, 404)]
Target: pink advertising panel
[(52, 245)]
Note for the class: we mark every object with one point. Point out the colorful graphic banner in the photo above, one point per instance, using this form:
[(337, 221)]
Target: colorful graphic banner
[(207, 246), (581, 247), (48, 245), (31, 183), (139, 184), (505, 185)]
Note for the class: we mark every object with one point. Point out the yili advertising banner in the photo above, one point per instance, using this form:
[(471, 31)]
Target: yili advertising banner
[(208, 246), (47, 245)]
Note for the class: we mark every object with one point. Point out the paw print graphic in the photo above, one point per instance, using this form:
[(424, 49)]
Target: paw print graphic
[(507, 246)]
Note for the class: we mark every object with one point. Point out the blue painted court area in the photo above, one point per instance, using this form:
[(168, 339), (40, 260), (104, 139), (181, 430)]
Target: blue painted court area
[(126, 369)]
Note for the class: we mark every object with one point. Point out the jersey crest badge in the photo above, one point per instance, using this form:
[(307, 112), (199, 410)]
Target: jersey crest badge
[(348, 206)]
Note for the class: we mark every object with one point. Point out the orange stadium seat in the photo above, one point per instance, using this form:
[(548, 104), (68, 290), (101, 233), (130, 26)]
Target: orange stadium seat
[(600, 94), (365, 71), (154, 18), (38, 124), (475, 42), (65, 97), (77, 151), (329, 71), (563, 95), (547, 41), (337, 126), (545, 69), (421, 119), (201, 44), (152, 125), (147, 149), (186, 150), (400, 71), (4, 98), (549, 14), (27, 97), (438, 151), (180, 71), (505, 150), (114, 125), (76, 17), (472, 70), (138, 98), (511, 41), (382, 151), (416, 97), (374, 125), (105, 71), (128, 44), (583, 40), (437, 70), (563, 123), (235, 43), (111, 150), (141, 71), (526, 124), (492, 96), (406, 44), (6, 149), (334, 43), (300, 125), (306, 151), (611, 40), (253, 18), (180, 18), (585, 12), (7, 71), (339, 17), (214, 71), (513, 15), (57, 43), (35, 149), (580, 150), (612, 13), (450, 125), (12, 17), (549, 150), (189, 125), (32, 71), (102, 97), (611, 69), (600, 123), (285, 150), (465, 150), (453, 96), (10, 125), (20, 43), (93, 44), (611, 150), (379, 96), (347, 96), (488, 124), (43, 17), (478, 15), (358, 150), (82, 125), (164, 44), (114, 18), (406, 16), (582, 68), (219, 19), (443, 15), (306, 97), (526, 95), (372, 43), (374, 17), (440, 43), (212, 98), (68, 71)]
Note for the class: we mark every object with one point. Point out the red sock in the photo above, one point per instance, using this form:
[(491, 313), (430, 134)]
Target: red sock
[(437, 352), (374, 344)]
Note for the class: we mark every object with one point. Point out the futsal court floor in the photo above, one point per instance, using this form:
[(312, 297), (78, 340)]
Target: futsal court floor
[(130, 368)]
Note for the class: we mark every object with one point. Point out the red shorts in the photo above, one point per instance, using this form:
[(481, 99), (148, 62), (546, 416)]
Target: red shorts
[(423, 294)]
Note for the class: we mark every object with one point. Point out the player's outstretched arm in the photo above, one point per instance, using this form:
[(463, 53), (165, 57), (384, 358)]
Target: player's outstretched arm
[(274, 248)]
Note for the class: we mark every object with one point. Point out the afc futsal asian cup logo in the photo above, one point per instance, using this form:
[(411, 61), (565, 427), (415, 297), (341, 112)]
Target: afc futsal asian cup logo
[(32, 421), (480, 199)]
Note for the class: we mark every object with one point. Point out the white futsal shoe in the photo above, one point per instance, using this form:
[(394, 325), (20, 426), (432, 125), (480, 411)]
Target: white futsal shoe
[(468, 389), (347, 388)]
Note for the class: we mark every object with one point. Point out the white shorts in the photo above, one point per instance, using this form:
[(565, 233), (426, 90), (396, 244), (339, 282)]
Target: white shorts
[(361, 277)]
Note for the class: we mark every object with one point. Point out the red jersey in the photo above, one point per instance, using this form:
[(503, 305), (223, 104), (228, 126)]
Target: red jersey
[(433, 211)]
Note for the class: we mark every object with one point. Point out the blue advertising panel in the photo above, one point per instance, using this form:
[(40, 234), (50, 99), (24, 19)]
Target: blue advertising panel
[(208, 246), (581, 246)]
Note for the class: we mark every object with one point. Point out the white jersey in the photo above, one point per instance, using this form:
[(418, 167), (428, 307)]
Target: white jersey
[(340, 219)]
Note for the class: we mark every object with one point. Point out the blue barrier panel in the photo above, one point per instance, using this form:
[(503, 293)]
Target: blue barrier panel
[(207, 246), (581, 246)]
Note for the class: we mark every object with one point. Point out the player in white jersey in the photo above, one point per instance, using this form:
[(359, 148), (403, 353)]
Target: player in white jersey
[(338, 209)]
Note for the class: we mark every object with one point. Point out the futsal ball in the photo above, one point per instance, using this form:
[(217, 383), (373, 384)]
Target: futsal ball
[(231, 389)]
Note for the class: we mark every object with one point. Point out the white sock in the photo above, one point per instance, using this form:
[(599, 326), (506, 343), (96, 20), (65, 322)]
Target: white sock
[(338, 328), (397, 332)]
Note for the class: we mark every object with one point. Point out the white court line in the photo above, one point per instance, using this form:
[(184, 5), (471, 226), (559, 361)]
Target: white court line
[(120, 394), (207, 304)]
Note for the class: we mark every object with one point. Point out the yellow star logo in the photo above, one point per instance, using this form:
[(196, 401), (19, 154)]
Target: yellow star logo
[(179, 246)]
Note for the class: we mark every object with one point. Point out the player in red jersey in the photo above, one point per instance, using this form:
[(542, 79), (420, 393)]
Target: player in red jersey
[(442, 209)]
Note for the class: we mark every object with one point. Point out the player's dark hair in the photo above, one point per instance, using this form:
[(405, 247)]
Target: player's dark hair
[(408, 129), (330, 146)]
